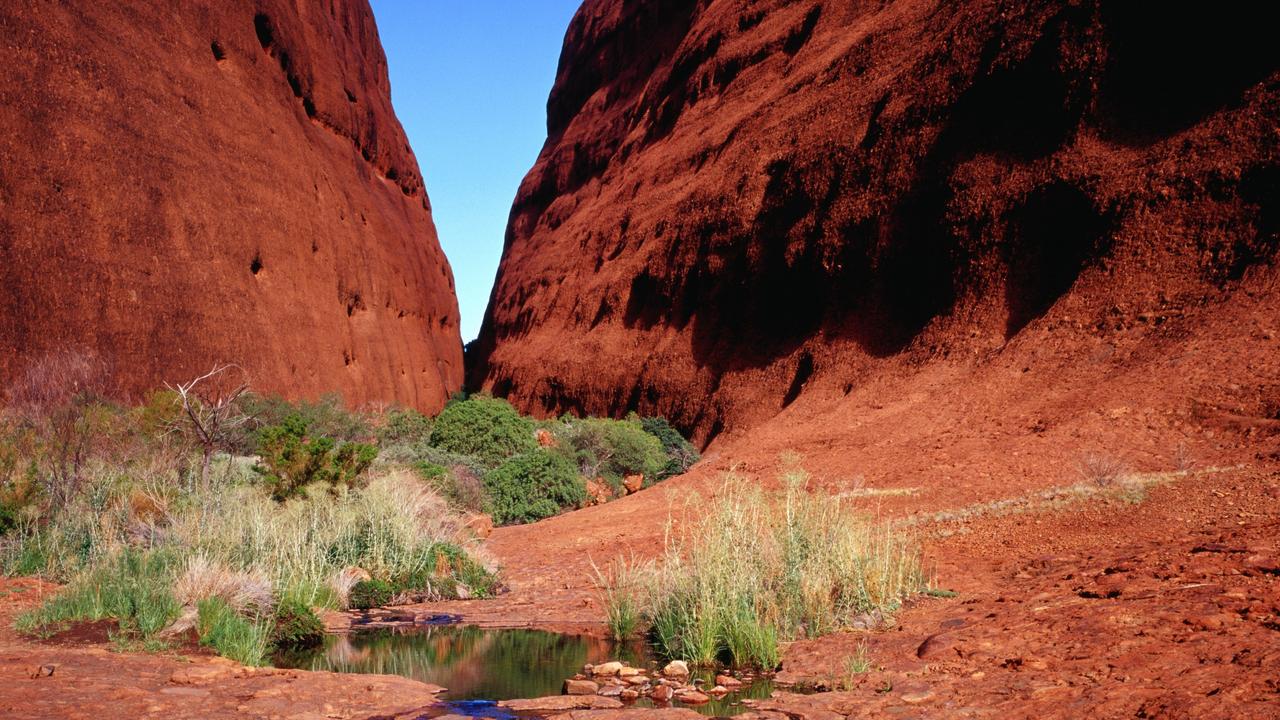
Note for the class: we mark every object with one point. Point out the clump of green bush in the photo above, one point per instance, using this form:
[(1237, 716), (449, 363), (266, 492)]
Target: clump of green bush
[(680, 453), (296, 626), (610, 449), (533, 486), (485, 428), (371, 593), (292, 458)]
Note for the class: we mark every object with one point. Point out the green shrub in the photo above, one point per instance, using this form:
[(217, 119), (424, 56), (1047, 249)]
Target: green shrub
[(486, 428), (293, 459), (245, 640), (296, 626), (326, 417), (371, 594), (611, 449), (408, 427), (681, 454), (533, 486)]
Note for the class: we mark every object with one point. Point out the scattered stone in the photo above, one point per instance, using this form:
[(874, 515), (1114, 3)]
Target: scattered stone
[(545, 438), (633, 483), (610, 691), (718, 691), (662, 693), (609, 668), (693, 697), (728, 681), (637, 680), (45, 670), (628, 672), (916, 697), (580, 687), (629, 694), (479, 523), (676, 668)]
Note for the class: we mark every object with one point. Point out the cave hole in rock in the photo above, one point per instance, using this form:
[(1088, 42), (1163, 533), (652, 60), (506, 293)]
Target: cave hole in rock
[(1052, 238), (804, 371), (219, 52), (1259, 187), (1171, 67), (255, 265), (265, 31)]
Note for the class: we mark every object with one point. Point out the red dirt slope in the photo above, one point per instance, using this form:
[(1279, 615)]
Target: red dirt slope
[(744, 204), (217, 181)]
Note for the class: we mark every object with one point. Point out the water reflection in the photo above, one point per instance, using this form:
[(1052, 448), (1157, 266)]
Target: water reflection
[(486, 665)]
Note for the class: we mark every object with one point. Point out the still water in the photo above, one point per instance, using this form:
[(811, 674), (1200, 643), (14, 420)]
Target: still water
[(486, 665)]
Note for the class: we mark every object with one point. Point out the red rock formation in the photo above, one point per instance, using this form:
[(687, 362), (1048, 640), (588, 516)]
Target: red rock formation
[(741, 202), (184, 183)]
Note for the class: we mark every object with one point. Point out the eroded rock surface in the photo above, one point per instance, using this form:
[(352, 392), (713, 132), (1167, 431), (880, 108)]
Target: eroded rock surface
[(742, 203), (183, 184)]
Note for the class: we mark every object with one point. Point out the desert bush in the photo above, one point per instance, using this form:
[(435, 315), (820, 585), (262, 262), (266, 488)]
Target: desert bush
[(533, 486), (758, 569), (296, 626), (1101, 469), (327, 417), (407, 427), (681, 454), (456, 477), (294, 459), (485, 428), (371, 594), (611, 449)]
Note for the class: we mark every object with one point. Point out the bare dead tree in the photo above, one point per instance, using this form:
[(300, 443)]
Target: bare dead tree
[(210, 404)]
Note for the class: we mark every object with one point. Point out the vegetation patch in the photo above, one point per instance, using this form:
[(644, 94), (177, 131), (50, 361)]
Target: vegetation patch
[(533, 486), (758, 569)]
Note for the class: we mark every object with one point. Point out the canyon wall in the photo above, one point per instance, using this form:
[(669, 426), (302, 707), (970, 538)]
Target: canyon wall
[(742, 203), (198, 182)]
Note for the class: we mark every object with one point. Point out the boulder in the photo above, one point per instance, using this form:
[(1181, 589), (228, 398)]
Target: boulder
[(676, 669), (580, 687)]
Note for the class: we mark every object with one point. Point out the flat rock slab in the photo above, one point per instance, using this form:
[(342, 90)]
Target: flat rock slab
[(631, 714), (562, 702)]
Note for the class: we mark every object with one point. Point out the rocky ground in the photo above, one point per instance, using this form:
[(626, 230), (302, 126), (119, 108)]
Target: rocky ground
[(1166, 605)]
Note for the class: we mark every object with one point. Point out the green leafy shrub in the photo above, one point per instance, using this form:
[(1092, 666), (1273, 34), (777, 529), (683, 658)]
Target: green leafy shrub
[(296, 626), (486, 428), (327, 417), (611, 449), (371, 594), (293, 459), (681, 454), (533, 486), (408, 427)]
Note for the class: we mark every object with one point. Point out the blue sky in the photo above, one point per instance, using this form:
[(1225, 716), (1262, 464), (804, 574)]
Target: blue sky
[(469, 80)]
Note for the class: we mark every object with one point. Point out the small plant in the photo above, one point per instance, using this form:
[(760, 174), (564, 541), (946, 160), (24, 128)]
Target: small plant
[(533, 486), (486, 428), (296, 626), (369, 594), (611, 449), (243, 639), (1101, 469), (408, 427), (681, 454), (133, 590), (293, 459)]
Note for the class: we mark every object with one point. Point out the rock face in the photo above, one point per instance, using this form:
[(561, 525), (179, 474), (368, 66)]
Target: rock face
[(740, 203), (200, 182)]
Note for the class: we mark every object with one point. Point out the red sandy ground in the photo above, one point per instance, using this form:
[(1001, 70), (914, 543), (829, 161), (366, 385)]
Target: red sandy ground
[(1163, 608)]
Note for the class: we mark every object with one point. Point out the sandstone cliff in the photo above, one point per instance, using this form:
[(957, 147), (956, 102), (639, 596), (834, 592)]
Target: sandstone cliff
[(198, 182), (740, 204)]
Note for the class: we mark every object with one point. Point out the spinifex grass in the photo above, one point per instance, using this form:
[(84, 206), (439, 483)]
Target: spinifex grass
[(761, 568)]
